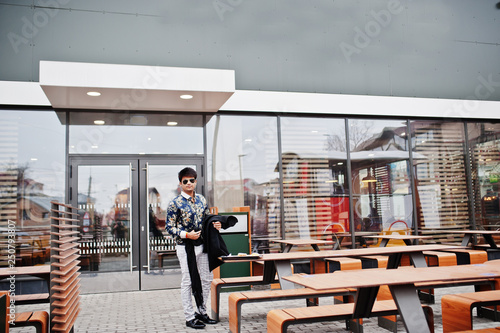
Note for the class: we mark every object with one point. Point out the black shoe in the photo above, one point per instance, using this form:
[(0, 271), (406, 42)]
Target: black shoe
[(195, 323), (205, 318)]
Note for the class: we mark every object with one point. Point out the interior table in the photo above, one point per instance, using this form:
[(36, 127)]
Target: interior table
[(407, 239), (487, 235), (289, 243)]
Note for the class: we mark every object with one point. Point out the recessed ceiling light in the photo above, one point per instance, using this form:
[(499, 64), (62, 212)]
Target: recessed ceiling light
[(172, 123), (93, 93), (186, 96), (99, 122), (34, 159), (94, 146)]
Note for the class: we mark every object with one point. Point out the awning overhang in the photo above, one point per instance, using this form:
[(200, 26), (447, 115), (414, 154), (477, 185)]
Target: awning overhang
[(133, 88)]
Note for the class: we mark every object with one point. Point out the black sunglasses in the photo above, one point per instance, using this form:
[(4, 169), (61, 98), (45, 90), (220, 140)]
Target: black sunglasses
[(185, 181)]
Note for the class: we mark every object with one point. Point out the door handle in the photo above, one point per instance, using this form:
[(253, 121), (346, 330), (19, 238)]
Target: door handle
[(130, 219), (148, 250)]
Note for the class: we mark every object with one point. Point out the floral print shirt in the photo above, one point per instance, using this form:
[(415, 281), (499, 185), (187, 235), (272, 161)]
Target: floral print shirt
[(184, 215)]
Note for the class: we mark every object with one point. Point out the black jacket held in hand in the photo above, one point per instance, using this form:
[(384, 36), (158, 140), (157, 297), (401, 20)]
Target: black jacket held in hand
[(213, 244)]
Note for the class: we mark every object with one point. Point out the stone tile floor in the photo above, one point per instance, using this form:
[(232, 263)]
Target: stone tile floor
[(161, 311)]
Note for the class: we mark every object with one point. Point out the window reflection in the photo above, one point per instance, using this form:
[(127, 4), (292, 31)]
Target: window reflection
[(314, 177), (484, 143), (126, 133), (242, 172), (380, 176), (32, 175), (442, 200)]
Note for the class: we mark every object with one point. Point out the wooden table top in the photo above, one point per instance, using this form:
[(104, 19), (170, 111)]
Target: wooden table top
[(400, 237), (474, 232), (358, 233), (302, 241), (401, 276), (25, 270), (343, 253)]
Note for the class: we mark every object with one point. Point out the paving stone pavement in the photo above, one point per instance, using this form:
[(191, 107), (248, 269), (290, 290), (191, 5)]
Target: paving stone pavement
[(161, 311)]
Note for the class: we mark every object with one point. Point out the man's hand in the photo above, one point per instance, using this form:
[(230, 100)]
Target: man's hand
[(193, 234), (217, 225)]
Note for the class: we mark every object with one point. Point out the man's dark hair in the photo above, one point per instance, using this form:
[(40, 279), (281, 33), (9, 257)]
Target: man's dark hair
[(187, 172)]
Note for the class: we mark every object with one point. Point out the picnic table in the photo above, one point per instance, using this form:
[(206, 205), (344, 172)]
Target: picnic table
[(42, 271), (487, 235), (401, 282), (361, 235), (280, 263), (289, 243), (407, 239)]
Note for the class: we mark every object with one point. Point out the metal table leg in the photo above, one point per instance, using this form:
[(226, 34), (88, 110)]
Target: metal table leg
[(410, 309)]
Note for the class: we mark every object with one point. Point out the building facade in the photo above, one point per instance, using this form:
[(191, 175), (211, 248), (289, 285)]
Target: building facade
[(321, 117)]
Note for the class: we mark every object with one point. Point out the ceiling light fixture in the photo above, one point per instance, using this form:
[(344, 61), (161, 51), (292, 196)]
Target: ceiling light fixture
[(93, 93), (172, 123), (99, 122), (186, 96)]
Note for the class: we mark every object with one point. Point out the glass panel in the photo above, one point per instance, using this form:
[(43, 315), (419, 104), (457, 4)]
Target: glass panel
[(104, 212), (125, 133), (242, 164), (163, 187), (438, 154), (32, 169), (314, 177), (380, 175), (484, 144)]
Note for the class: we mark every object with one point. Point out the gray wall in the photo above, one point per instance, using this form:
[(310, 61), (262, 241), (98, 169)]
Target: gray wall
[(422, 48)]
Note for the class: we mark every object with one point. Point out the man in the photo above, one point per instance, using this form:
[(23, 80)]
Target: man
[(185, 215)]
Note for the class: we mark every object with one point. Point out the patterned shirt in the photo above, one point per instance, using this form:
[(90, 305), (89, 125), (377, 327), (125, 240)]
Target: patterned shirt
[(184, 215)]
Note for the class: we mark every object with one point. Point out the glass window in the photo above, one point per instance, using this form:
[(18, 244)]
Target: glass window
[(484, 145), (380, 175), (441, 185), (314, 177), (32, 168), (242, 164), (125, 133)]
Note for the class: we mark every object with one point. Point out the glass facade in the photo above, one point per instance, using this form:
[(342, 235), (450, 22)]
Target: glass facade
[(379, 157), (484, 155), (302, 177), (32, 169), (243, 170), (315, 184), (441, 198), (135, 133)]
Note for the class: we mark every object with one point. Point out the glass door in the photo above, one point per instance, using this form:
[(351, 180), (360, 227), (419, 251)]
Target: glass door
[(122, 204), (160, 268)]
